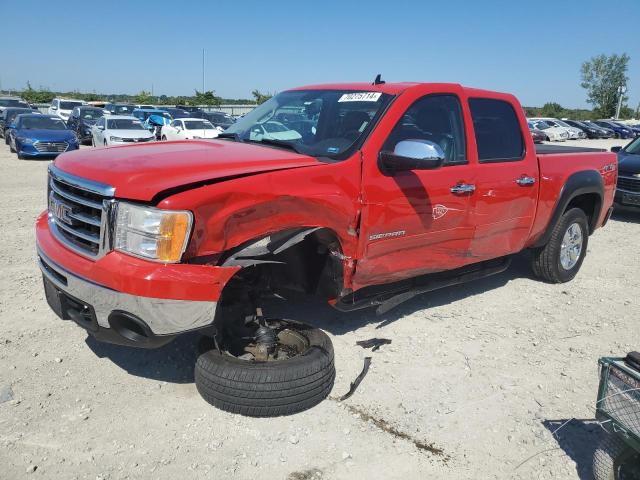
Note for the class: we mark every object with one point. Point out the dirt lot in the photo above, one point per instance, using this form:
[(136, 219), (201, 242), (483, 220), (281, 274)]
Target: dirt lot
[(475, 382)]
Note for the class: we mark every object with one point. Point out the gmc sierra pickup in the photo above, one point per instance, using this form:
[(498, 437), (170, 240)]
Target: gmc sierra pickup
[(363, 194)]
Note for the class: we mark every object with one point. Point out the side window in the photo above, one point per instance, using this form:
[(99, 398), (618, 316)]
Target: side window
[(497, 130), (101, 122), (436, 118)]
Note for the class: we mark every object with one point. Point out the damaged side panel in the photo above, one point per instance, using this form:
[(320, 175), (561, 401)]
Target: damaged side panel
[(270, 217)]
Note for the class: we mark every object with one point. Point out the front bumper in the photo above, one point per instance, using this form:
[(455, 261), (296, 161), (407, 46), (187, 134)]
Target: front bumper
[(161, 300), (627, 199), (29, 150)]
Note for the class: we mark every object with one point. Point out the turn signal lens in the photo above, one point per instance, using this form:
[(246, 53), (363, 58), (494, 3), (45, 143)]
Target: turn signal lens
[(174, 230)]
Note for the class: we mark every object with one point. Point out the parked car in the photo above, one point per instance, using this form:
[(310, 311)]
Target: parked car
[(606, 132), (153, 119), (220, 119), (628, 188), (188, 128), (118, 130), (6, 118), (119, 109), (272, 130), (538, 135), (145, 107), (176, 112), (62, 107), (35, 135), (635, 130), (17, 102), (97, 103), (554, 134), (82, 119), (589, 130), (194, 234), (191, 109), (574, 133), (619, 131)]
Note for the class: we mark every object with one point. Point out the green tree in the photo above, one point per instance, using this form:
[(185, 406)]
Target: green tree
[(206, 98), (143, 97), (32, 95), (601, 77), (552, 109), (260, 97)]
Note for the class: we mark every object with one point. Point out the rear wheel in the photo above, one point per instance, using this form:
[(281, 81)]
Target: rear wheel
[(266, 368), (561, 258), (615, 460)]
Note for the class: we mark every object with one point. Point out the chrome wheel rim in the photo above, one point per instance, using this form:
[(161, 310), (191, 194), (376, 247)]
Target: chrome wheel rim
[(571, 247)]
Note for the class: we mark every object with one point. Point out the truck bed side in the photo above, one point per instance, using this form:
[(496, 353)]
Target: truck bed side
[(560, 173)]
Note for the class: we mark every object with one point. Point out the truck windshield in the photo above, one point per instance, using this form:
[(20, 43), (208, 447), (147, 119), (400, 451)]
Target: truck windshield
[(320, 123), (634, 147)]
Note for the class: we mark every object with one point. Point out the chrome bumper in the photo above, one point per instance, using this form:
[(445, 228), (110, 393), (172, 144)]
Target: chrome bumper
[(163, 316)]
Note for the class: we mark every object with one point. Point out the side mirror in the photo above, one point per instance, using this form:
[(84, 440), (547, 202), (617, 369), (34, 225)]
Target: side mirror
[(616, 149), (13, 125), (54, 108), (412, 155), (100, 127)]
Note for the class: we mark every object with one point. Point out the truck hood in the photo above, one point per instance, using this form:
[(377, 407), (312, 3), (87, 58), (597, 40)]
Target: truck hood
[(140, 172), (628, 163)]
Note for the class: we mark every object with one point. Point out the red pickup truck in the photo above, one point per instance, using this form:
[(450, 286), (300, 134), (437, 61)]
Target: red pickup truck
[(363, 194)]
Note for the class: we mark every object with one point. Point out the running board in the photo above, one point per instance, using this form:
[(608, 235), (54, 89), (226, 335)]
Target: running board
[(389, 296)]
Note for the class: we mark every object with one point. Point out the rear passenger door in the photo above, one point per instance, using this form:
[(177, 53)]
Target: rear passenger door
[(506, 179)]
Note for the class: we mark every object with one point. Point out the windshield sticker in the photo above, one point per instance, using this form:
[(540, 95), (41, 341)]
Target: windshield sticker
[(360, 97), (333, 150)]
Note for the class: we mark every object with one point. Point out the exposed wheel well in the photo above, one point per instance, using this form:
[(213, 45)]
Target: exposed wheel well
[(590, 204), (304, 260)]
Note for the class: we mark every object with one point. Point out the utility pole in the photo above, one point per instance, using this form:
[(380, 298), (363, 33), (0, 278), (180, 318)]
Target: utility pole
[(621, 91), (203, 90)]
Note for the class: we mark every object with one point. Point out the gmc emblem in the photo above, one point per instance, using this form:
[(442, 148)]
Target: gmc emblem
[(60, 211)]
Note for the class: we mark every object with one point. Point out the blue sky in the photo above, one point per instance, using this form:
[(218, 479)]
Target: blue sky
[(533, 49)]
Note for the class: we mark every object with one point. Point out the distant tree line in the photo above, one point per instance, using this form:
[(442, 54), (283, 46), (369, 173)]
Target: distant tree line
[(44, 95)]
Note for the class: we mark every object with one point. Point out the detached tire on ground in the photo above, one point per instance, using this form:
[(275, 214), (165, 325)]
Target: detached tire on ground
[(561, 258), (270, 388)]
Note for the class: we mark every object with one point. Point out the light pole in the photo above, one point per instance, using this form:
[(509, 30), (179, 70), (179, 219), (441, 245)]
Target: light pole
[(621, 91)]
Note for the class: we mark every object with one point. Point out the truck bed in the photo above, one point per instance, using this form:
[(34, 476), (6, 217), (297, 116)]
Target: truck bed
[(546, 149)]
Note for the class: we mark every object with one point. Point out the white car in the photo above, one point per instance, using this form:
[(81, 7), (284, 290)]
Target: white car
[(272, 130), (62, 107), (119, 130), (554, 134), (574, 133), (188, 128)]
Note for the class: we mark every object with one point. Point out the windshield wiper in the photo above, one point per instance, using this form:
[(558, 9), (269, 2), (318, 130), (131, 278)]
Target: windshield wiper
[(278, 143), (232, 136)]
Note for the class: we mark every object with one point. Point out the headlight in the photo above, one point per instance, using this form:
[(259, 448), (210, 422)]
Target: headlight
[(151, 233), (115, 139), (28, 141)]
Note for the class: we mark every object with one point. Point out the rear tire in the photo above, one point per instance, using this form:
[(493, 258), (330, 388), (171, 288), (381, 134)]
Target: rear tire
[(547, 262), (267, 389), (612, 456)]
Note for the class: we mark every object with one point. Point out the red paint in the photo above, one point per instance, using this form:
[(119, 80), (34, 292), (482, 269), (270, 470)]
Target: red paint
[(278, 190)]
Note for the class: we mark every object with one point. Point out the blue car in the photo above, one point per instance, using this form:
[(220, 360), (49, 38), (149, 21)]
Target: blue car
[(619, 130), (153, 119), (35, 135), (628, 189)]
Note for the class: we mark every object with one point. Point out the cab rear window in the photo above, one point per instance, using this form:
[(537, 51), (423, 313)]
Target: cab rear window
[(497, 129)]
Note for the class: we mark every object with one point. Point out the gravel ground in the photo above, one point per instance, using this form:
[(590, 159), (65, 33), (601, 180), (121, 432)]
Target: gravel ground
[(475, 382)]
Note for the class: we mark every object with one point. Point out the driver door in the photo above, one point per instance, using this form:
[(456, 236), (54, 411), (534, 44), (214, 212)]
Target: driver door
[(417, 221)]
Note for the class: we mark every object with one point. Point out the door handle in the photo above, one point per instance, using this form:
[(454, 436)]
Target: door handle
[(463, 188), (525, 181)]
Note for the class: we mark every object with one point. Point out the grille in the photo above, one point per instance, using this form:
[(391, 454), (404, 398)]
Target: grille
[(79, 210), (620, 397), (137, 140), (51, 147), (630, 184)]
